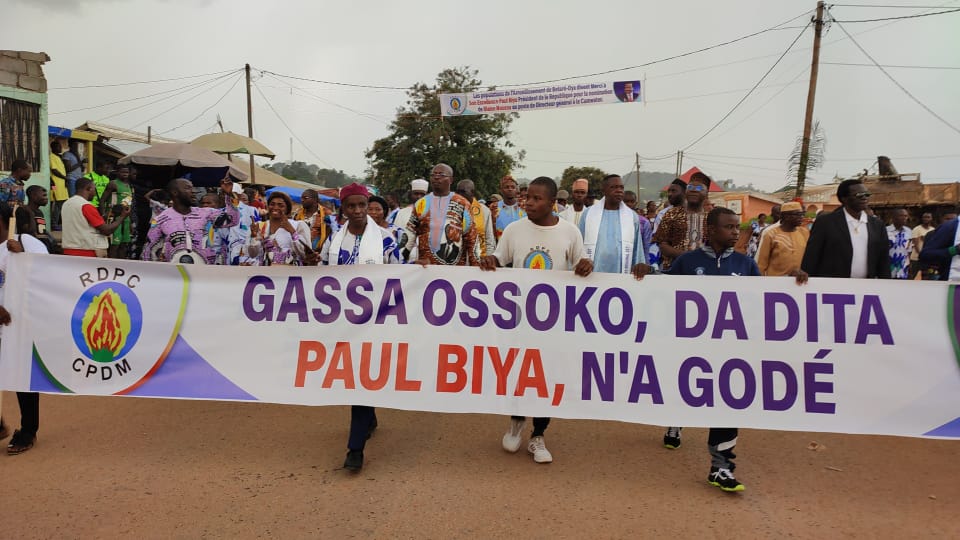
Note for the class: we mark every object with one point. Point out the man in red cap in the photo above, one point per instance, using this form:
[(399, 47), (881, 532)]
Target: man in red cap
[(440, 226), (360, 241)]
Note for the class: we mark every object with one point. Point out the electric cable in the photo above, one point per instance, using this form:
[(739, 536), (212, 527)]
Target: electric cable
[(744, 98), (894, 81)]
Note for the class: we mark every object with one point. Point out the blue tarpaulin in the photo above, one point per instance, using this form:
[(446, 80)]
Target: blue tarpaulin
[(294, 194)]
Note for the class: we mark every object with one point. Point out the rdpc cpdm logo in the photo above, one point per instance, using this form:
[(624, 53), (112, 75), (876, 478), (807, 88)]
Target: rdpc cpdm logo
[(106, 325), (122, 328), (457, 104)]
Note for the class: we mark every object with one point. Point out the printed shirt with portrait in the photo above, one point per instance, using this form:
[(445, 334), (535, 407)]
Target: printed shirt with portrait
[(168, 232), (675, 230), (901, 246), (525, 244), (442, 231), (350, 248)]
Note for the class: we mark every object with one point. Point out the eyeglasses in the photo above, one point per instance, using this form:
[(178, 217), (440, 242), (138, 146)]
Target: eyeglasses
[(863, 195), (693, 187)]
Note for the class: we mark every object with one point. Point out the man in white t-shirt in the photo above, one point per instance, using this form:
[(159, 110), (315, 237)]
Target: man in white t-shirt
[(23, 438), (542, 241)]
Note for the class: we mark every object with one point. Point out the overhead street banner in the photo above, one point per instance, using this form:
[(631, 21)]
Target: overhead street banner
[(848, 356), (562, 96)]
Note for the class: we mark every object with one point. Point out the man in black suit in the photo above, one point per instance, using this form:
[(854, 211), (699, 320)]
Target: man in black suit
[(847, 242)]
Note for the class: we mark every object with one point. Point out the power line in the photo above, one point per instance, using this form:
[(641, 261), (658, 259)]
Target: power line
[(697, 157), (188, 87), (888, 66), (764, 104), (369, 116), (894, 81), (914, 16), (180, 91), (717, 93), (282, 121), (197, 117), (668, 58), (561, 79), (885, 6), (141, 82), (898, 158), (178, 105), (744, 98)]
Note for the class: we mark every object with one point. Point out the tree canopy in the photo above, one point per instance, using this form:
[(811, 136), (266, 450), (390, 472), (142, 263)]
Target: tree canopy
[(478, 147), (593, 174), (314, 174)]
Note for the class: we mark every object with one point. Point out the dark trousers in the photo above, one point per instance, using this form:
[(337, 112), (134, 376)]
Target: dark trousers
[(56, 208), (539, 425), (721, 442), (29, 412), (362, 419)]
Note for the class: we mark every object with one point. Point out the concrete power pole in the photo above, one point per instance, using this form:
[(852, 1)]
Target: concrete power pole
[(811, 98), (253, 178)]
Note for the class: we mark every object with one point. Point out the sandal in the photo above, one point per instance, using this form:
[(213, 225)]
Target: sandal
[(20, 443)]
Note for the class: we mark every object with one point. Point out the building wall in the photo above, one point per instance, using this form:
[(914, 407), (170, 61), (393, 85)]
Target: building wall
[(749, 206), (21, 78)]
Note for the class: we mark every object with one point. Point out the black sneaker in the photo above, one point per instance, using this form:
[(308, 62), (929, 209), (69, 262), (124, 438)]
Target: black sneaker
[(723, 479), (671, 439), (354, 461)]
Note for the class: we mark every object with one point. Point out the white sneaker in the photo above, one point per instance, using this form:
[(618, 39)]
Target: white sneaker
[(539, 450), (512, 438)]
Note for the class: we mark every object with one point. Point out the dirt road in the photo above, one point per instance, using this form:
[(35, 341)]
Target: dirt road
[(144, 468)]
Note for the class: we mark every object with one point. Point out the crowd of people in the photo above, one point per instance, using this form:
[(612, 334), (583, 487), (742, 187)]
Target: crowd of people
[(535, 227)]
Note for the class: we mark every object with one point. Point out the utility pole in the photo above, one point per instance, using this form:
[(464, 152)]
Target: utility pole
[(253, 178), (638, 176), (811, 97), (149, 134), (679, 162)]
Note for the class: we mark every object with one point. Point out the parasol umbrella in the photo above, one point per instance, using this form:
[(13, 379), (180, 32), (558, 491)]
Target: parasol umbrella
[(232, 143), (166, 161)]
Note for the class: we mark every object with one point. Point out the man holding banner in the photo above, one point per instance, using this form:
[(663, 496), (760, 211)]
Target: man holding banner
[(543, 241), (715, 258), (353, 245)]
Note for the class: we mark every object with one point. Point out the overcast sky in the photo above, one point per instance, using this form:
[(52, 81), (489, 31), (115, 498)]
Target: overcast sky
[(399, 43)]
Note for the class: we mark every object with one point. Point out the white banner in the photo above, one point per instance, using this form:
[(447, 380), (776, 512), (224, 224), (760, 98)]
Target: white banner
[(851, 356), (540, 98)]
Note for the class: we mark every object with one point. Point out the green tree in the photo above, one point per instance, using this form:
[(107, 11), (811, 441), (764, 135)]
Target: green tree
[(333, 178), (298, 170), (593, 174), (477, 147)]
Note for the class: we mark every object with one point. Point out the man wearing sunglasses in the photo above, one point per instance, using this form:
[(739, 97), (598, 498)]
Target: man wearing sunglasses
[(682, 227), (847, 242)]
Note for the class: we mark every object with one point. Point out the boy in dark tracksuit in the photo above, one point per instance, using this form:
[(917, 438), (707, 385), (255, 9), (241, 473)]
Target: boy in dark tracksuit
[(716, 258)]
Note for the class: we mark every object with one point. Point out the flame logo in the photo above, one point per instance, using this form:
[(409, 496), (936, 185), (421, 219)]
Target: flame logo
[(538, 260), (106, 325)]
